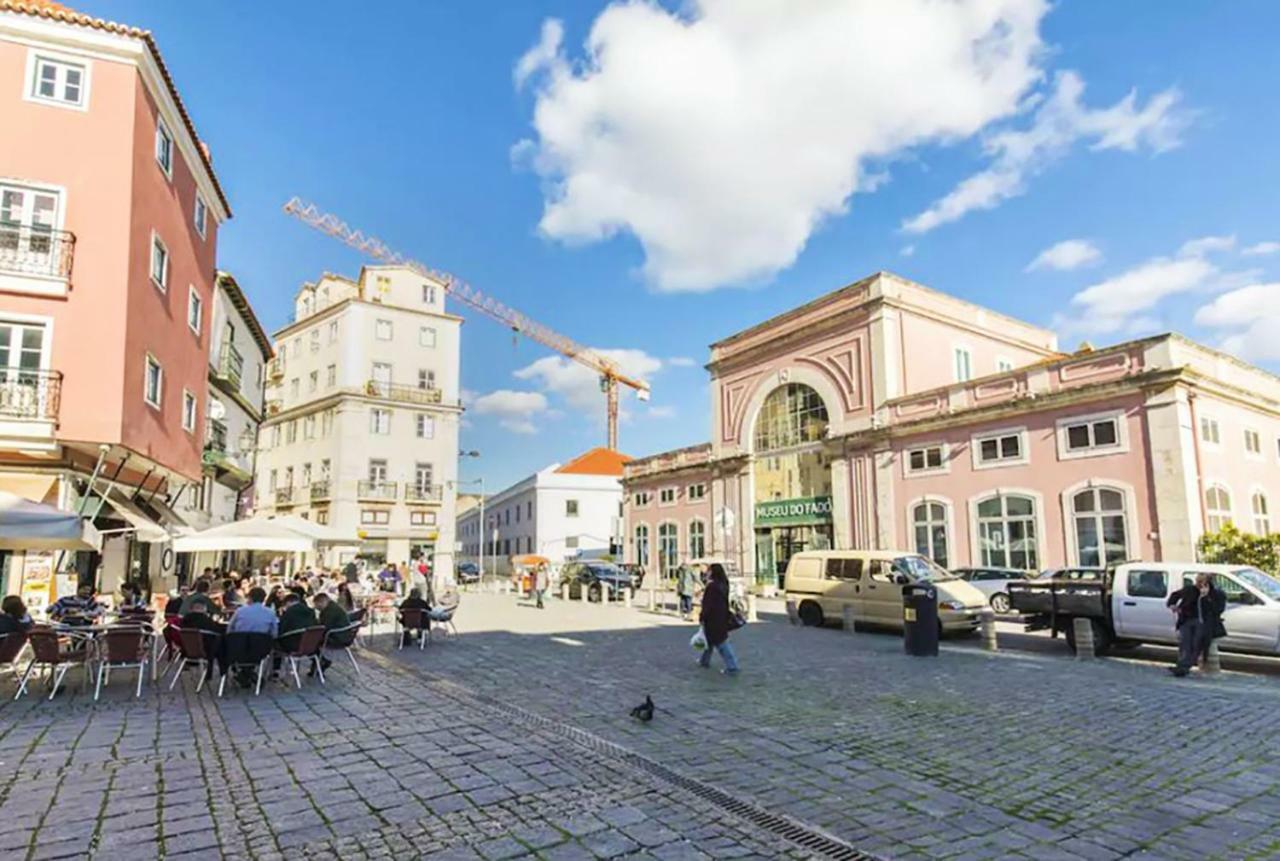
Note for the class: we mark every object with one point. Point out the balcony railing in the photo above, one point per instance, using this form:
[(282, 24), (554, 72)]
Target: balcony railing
[(320, 489), (376, 490), (36, 251), (33, 395), (284, 496), (216, 438), (423, 492), (231, 365), (401, 392)]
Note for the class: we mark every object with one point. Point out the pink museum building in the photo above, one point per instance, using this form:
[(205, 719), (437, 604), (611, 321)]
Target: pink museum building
[(109, 217), (889, 415)]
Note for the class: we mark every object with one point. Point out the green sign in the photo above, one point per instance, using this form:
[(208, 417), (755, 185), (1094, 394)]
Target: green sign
[(794, 512)]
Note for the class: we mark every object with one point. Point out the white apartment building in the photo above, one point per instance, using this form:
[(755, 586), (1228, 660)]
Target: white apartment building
[(561, 512), (362, 409), (238, 354)]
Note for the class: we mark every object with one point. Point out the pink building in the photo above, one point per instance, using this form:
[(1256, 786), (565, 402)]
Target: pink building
[(109, 215), (888, 415)]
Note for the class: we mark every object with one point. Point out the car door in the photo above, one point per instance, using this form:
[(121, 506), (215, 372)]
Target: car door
[(843, 582), (1141, 612), (881, 595), (1250, 623)]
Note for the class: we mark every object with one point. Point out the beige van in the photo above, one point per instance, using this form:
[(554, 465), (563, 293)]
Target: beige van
[(824, 582)]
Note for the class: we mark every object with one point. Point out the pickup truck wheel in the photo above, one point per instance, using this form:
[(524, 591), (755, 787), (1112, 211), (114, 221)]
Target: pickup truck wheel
[(811, 614), (1000, 603)]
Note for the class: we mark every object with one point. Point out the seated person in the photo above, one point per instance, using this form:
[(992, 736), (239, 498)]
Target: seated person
[(173, 607), (255, 617), (199, 598), (13, 616), (295, 617), (275, 601), (131, 597), (330, 613), (78, 609), (415, 602), (231, 597)]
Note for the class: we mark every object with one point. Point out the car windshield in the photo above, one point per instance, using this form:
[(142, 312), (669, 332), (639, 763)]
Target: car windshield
[(603, 570), (1263, 582), (921, 568)]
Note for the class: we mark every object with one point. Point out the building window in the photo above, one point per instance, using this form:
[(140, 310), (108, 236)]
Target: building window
[(1003, 366), (426, 336), (309, 427), (429, 294), (275, 480), (641, 498), (1209, 432), (529, 510), (1000, 448), (1101, 530), (153, 389), (315, 340), (293, 389), (201, 216), (374, 516), (331, 376), (426, 379), (275, 436), (322, 517), (379, 421), (1007, 532), (333, 331), (668, 548), (641, 545), (571, 508), (159, 263), (423, 474), (382, 330), (1084, 436), (963, 364), (1253, 443), (313, 381), (929, 520), (1261, 518), (697, 491), (791, 415), (195, 309), (59, 82), (377, 471), (188, 411), (326, 423), (667, 496), (422, 518), (426, 426), (164, 148), (1217, 505), (929, 458), (291, 431), (697, 539)]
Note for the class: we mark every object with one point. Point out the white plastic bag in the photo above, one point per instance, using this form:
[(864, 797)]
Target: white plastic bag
[(699, 640)]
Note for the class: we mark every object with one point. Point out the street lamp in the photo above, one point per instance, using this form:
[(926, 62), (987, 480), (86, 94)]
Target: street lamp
[(483, 526)]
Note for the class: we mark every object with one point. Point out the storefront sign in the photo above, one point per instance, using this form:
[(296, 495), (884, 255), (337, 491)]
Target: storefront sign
[(794, 512)]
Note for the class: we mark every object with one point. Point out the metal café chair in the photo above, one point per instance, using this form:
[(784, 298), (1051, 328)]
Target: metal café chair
[(48, 654), (199, 648), (248, 650), (123, 646), (413, 620), (11, 646), (306, 646), (342, 639)]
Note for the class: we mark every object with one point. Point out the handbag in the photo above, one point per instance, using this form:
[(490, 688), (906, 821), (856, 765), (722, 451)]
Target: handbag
[(736, 620)]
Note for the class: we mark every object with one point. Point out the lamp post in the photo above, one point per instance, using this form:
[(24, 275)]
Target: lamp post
[(483, 526)]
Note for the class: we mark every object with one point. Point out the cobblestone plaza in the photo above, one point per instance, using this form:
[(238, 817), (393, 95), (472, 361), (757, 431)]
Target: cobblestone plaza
[(514, 740)]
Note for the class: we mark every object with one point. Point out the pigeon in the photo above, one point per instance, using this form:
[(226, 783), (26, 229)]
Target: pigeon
[(644, 711)]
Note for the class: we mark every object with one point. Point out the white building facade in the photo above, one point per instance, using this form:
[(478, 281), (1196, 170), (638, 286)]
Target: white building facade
[(362, 407), (561, 512)]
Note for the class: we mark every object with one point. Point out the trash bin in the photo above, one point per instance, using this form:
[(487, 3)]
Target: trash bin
[(920, 620)]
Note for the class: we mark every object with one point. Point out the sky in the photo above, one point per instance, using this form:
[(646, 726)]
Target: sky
[(648, 179)]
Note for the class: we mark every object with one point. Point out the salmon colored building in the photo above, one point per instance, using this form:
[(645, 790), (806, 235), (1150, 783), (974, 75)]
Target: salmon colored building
[(109, 218), (889, 415)]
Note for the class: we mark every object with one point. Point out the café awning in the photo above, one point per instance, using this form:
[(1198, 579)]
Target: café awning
[(27, 525), (256, 533), (323, 535)]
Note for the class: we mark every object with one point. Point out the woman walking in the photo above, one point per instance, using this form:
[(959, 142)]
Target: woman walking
[(716, 618)]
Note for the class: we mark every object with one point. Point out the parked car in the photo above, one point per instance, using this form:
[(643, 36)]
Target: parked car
[(595, 577), (992, 582), (824, 582), (1126, 605), (467, 572), (636, 572)]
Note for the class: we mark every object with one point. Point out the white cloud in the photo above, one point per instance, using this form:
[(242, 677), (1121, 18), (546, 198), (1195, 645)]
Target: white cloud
[(1067, 255), (722, 136), (1206, 245), (541, 54), (907, 250), (1059, 122), (661, 412), (682, 362), (1261, 248), (514, 410), (1253, 313), (578, 384), (1106, 306)]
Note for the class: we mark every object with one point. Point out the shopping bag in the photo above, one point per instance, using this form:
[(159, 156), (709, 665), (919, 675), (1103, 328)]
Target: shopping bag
[(699, 640)]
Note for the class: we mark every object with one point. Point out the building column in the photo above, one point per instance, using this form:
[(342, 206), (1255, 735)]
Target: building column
[(886, 533), (1175, 482), (841, 504)]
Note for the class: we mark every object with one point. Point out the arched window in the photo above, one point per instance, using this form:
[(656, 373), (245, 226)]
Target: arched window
[(642, 545), (930, 522), (668, 548), (1101, 529), (697, 539), (1217, 507), (1261, 520), (792, 415), (1007, 532)]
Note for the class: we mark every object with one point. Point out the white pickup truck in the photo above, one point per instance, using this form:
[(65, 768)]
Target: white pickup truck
[(1127, 604)]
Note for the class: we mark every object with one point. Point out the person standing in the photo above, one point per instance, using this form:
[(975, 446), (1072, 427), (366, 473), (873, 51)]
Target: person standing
[(715, 619), (1198, 608), (541, 581), (686, 584)]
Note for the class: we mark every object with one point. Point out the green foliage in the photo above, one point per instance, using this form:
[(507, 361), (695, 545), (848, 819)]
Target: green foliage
[(1232, 547)]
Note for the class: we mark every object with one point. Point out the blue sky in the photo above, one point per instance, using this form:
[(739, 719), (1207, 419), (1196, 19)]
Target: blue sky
[(692, 211)]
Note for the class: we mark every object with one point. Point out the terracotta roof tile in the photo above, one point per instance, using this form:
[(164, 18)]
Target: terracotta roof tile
[(598, 461), (52, 11)]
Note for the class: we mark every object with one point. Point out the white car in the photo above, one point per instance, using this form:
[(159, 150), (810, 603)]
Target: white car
[(994, 583)]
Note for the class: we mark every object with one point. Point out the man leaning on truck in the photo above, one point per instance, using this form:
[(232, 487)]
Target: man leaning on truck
[(1198, 607)]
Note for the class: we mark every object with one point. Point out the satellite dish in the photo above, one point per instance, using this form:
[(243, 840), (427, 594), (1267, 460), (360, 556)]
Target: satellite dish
[(217, 411)]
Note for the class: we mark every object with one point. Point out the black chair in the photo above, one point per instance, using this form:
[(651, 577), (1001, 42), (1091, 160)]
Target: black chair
[(245, 650), (343, 639), (413, 619), (304, 645), (198, 648)]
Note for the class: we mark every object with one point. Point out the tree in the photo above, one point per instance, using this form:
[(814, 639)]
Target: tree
[(1232, 547)]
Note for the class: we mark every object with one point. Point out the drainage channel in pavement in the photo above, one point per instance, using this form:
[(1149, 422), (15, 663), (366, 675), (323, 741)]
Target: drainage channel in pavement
[(802, 834)]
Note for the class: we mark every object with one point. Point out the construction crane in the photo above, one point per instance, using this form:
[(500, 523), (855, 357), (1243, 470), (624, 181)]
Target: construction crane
[(610, 374)]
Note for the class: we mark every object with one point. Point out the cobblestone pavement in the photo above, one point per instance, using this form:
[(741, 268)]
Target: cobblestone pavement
[(968, 755)]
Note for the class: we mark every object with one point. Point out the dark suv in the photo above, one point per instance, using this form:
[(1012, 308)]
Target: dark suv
[(595, 577)]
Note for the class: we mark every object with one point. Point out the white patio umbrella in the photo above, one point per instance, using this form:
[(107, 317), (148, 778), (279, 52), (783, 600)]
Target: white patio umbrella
[(318, 532), (256, 533), (27, 525)]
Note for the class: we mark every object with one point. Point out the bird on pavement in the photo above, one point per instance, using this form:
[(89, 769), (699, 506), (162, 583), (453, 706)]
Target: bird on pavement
[(644, 711)]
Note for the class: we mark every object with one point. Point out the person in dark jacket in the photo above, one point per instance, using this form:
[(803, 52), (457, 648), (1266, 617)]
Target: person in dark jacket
[(415, 602), (14, 618), (715, 619), (1198, 608)]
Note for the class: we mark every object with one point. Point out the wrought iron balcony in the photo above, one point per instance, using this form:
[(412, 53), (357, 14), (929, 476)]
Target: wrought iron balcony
[(320, 489), (376, 490), (230, 365), (284, 496), (216, 437), (36, 250), (33, 395), (423, 492), (401, 392)]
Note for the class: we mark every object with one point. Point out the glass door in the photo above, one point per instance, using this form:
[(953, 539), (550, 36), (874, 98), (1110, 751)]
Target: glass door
[(21, 358), (27, 218)]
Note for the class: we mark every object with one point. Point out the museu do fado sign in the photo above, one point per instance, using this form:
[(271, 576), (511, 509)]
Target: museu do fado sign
[(794, 512)]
